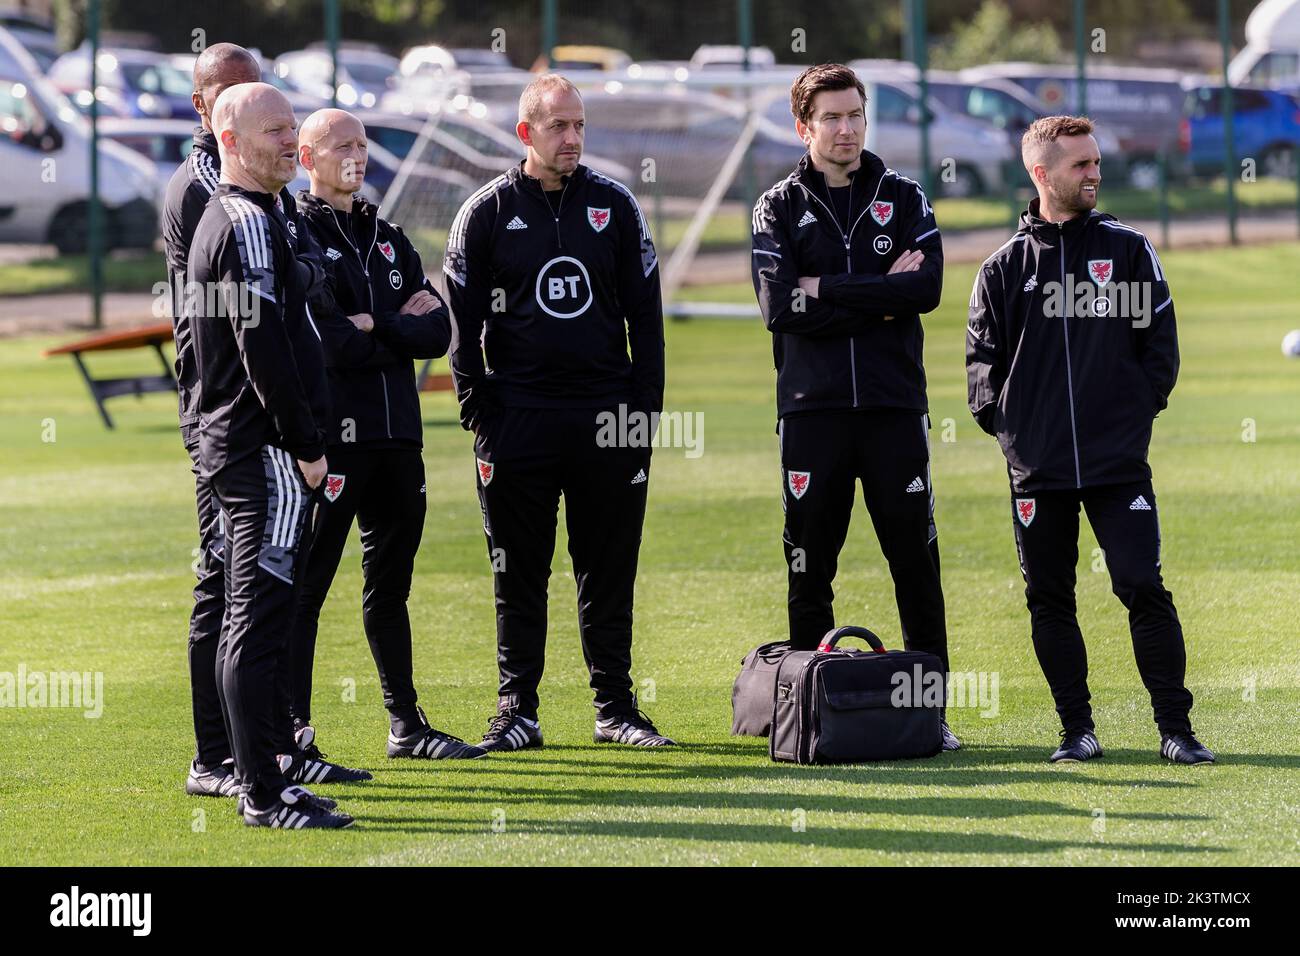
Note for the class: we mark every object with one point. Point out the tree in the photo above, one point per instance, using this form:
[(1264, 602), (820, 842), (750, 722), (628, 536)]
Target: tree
[(991, 36)]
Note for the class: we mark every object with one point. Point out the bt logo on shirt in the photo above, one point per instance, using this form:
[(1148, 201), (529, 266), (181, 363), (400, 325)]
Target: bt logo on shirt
[(563, 288)]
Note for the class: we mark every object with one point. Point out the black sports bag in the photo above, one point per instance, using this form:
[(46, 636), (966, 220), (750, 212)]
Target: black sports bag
[(839, 705), (755, 688)]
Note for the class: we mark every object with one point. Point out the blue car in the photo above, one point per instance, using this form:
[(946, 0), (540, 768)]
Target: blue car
[(1265, 128), (133, 83)]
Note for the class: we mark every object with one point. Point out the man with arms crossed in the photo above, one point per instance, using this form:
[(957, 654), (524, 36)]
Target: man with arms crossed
[(846, 259), (1070, 385), (378, 314)]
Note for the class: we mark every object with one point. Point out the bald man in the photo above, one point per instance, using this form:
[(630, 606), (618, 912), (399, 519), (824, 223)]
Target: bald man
[(377, 315), (211, 772), (262, 407)]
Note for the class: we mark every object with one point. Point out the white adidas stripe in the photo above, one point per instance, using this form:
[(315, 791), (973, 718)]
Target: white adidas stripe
[(456, 234), (295, 488)]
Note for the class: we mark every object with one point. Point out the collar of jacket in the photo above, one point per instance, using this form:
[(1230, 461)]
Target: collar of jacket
[(318, 210), (1032, 223), (517, 175), (204, 140), (265, 200), (866, 175)]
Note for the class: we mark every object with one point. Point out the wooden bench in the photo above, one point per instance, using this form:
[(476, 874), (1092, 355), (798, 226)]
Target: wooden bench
[(101, 389), (155, 337)]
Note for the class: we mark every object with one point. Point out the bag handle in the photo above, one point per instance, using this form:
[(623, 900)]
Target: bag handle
[(851, 630)]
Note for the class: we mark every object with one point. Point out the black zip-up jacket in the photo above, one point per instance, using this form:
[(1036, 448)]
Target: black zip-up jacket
[(373, 268), (840, 350), (258, 358), (554, 299), (1071, 393), (188, 192)]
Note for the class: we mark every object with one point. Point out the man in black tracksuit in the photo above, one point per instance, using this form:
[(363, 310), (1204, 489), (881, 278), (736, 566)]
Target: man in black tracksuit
[(846, 258), (552, 276), (378, 313), (220, 66), (1071, 352), (262, 402)]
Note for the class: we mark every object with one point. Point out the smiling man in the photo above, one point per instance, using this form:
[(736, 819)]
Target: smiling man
[(557, 319), (1071, 385), (846, 259)]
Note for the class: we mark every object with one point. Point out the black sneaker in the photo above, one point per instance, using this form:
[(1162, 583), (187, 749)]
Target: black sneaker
[(950, 740), (1077, 747), (432, 744), (300, 768), (218, 781), (298, 809), (511, 732), (634, 729), (325, 802), (1185, 748)]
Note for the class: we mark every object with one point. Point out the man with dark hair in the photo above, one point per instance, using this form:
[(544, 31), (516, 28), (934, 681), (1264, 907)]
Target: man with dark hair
[(1071, 352), (553, 278), (376, 316), (846, 259), (211, 773)]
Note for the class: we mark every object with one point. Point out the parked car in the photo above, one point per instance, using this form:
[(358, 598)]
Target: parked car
[(36, 36), (980, 155), (1271, 56), (1141, 106), (1011, 108), (364, 75), (41, 132), (1265, 127), (303, 104), (130, 83)]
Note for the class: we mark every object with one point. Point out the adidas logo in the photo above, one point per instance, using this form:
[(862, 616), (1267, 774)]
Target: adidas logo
[(807, 218), (333, 254), (517, 223), (1139, 504), (639, 479), (916, 485), (1031, 284)]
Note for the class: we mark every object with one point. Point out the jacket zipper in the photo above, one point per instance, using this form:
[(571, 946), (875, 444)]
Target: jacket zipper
[(848, 259), (555, 213), (370, 292), (1069, 374)]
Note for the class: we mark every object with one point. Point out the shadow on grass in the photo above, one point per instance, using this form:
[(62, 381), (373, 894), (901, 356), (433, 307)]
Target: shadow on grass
[(999, 808), (859, 838), (980, 766)]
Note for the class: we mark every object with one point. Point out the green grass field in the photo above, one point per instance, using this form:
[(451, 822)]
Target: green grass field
[(96, 539)]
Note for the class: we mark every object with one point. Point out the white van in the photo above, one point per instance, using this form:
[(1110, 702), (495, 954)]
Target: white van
[(1271, 56), (45, 158)]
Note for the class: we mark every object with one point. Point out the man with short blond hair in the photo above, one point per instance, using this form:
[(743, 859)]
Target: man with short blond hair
[(1071, 352), (557, 319)]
